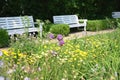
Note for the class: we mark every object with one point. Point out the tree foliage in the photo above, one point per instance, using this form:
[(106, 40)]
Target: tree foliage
[(45, 9)]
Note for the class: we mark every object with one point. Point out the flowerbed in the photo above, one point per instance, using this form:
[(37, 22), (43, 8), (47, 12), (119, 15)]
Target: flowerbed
[(90, 58)]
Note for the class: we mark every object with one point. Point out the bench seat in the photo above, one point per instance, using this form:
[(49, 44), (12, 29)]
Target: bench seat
[(21, 31)]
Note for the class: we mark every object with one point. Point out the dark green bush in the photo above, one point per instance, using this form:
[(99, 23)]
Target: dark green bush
[(96, 25), (4, 38), (60, 29), (112, 23)]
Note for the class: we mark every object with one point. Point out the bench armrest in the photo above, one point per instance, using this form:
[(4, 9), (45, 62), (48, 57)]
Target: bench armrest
[(84, 20)]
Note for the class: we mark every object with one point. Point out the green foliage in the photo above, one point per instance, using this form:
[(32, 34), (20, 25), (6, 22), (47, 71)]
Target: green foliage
[(96, 25), (4, 38), (113, 23), (117, 22), (60, 29), (26, 44), (90, 9), (47, 25)]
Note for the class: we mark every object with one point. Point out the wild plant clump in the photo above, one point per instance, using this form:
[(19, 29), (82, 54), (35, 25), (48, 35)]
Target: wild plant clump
[(4, 38), (92, 58)]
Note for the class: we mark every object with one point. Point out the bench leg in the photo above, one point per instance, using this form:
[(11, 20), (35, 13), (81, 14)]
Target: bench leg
[(85, 30)]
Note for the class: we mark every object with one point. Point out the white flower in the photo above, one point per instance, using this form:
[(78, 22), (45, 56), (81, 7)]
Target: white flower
[(39, 69), (26, 78), (11, 71), (1, 53), (64, 79), (1, 63), (2, 78), (116, 74)]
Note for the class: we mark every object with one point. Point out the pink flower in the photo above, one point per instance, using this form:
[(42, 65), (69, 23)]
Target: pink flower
[(51, 36), (59, 37), (61, 42)]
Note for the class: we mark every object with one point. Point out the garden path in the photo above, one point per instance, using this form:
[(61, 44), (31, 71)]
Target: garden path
[(78, 35), (88, 33)]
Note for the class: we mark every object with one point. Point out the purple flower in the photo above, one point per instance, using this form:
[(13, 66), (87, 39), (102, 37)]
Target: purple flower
[(51, 36), (1, 53), (61, 42), (59, 37)]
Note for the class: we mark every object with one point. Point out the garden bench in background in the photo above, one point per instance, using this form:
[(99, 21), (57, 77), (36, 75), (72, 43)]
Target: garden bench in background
[(116, 14), (19, 25), (71, 20)]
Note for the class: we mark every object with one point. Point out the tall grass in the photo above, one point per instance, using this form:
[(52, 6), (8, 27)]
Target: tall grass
[(90, 58)]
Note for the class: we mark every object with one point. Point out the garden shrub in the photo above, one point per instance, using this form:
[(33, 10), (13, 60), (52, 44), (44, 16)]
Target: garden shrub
[(94, 25), (4, 38), (112, 23), (117, 21), (60, 29)]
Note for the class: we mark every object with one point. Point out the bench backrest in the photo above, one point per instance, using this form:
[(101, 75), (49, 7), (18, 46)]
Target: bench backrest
[(16, 22), (116, 14), (66, 19)]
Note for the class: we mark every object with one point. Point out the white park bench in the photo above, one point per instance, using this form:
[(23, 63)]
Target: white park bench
[(116, 14), (19, 25), (71, 20)]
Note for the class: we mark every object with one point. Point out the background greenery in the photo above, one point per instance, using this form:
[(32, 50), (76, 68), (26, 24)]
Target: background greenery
[(45, 9)]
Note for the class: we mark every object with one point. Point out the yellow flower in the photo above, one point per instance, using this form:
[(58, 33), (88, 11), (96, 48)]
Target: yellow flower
[(45, 46), (13, 53), (78, 64), (77, 50), (7, 58), (74, 59), (5, 52), (14, 56), (116, 46), (83, 53), (21, 55), (18, 62)]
